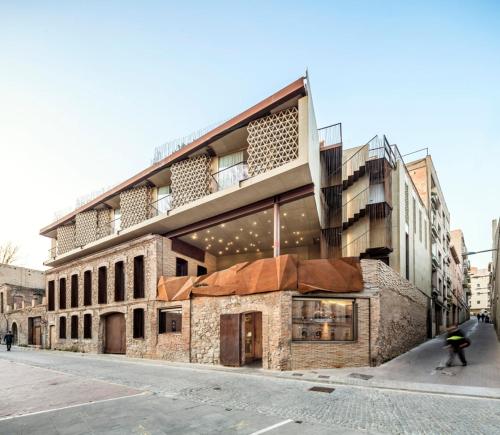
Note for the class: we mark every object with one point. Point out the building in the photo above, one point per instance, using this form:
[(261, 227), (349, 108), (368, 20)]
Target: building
[(265, 189), (495, 275), (460, 280), (22, 303), (425, 177), (480, 298)]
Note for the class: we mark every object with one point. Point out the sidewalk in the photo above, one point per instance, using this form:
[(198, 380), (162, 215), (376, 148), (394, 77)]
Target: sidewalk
[(423, 368), (419, 370)]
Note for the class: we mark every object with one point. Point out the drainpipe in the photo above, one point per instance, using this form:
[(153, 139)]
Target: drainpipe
[(276, 229), (190, 325), (370, 331)]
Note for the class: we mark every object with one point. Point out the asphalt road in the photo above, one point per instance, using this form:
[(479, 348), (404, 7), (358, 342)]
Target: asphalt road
[(50, 392)]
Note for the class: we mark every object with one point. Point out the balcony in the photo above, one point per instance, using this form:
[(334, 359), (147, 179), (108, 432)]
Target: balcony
[(435, 263), (435, 200)]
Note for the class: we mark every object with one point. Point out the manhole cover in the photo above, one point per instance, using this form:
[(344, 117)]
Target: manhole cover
[(322, 389), (360, 376), (324, 377), (297, 374)]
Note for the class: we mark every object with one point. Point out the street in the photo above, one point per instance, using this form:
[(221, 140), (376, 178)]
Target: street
[(50, 392)]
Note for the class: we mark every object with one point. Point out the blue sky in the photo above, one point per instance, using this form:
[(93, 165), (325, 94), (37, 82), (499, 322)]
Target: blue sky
[(88, 89)]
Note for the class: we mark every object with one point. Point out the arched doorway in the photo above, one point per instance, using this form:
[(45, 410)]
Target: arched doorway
[(114, 333), (14, 333)]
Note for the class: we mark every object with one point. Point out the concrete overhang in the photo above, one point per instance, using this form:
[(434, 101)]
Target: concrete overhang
[(292, 175)]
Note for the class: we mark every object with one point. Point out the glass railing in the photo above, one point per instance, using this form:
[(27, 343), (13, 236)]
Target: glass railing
[(230, 176), (161, 205)]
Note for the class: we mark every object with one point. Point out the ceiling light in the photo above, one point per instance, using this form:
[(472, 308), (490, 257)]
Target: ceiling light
[(250, 232), (255, 223), (227, 249), (302, 238), (282, 227), (286, 241), (208, 231), (241, 229), (296, 242), (220, 252), (222, 225), (265, 211), (212, 237), (269, 221), (246, 249), (220, 240), (303, 214), (237, 237), (284, 214), (256, 235), (237, 251), (206, 239), (258, 250)]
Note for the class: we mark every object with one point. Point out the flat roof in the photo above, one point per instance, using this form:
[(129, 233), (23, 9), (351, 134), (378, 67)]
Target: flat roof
[(295, 88)]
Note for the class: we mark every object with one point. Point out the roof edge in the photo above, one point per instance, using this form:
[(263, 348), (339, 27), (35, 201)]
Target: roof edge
[(289, 91)]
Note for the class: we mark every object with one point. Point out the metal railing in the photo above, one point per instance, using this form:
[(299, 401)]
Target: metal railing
[(330, 135), (160, 206), (108, 228), (230, 176), (355, 204), (52, 253)]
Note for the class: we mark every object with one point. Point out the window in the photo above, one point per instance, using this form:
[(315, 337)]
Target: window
[(51, 301), (119, 281), (102, 285), (1, 302), (62, 327), (139, 276), (164, 202), (74, 291), (407, 205), (478, 285), (170, 320), (62, 293), (323, 319), (420, 225), (201, 270), (87, 326), (74, 326), (232, 169), (87, 288), (138, 323), (181, 267), (414, 216), (425, 235), (407, 256), (478, 302)]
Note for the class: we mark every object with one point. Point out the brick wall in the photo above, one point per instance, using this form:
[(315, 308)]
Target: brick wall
[(399, 311)]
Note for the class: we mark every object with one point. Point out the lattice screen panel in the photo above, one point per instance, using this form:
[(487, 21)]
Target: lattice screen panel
[(190, 180), (103, 223), (65, 238), (86, 227), (273, 141), (134, 204)]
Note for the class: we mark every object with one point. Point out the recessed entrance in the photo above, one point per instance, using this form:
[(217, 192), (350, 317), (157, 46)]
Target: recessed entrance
[(114, 333), (241, 339), (14, 333)]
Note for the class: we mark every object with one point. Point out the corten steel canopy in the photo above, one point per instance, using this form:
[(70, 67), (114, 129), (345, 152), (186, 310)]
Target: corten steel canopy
[(267, 275)]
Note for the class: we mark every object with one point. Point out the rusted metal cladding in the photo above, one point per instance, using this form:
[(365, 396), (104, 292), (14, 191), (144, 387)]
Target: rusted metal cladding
[(230, 342)]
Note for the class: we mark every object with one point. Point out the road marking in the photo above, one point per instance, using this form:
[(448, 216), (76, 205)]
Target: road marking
[(274, 426), (45, 411)]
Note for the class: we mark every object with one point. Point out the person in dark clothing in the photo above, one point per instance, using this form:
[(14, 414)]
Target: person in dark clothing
[(487, 318), (482, 317), (8, 338), (456, 342)]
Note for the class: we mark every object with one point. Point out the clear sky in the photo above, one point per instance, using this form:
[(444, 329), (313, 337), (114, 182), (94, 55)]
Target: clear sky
[(88, 89)]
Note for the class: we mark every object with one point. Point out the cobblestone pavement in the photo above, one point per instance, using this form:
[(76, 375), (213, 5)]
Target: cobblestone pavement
[(195, 400)]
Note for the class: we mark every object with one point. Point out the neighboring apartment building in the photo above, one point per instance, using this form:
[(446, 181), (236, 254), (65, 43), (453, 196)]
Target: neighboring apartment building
[(426, 180), (480, 298), (264, 190), (495, 275), (21, 302), (460, 280)]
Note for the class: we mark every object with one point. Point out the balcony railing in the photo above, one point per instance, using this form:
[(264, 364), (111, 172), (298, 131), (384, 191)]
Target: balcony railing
[(330, 135), (52, 253), (230, 176), (160, 206), (108, 228)]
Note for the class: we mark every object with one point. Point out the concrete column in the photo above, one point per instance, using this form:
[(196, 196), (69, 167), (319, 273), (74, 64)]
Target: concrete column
[(277, 227)]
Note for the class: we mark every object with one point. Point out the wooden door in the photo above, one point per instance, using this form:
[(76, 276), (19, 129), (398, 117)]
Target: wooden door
[(230, 343), (115, 333), (37, 332)]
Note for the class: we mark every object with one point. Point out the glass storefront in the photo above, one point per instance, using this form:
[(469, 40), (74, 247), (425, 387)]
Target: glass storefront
[(325, 319)]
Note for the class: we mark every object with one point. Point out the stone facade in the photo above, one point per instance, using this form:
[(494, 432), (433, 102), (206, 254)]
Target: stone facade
[(17, 322), (276, 325)]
